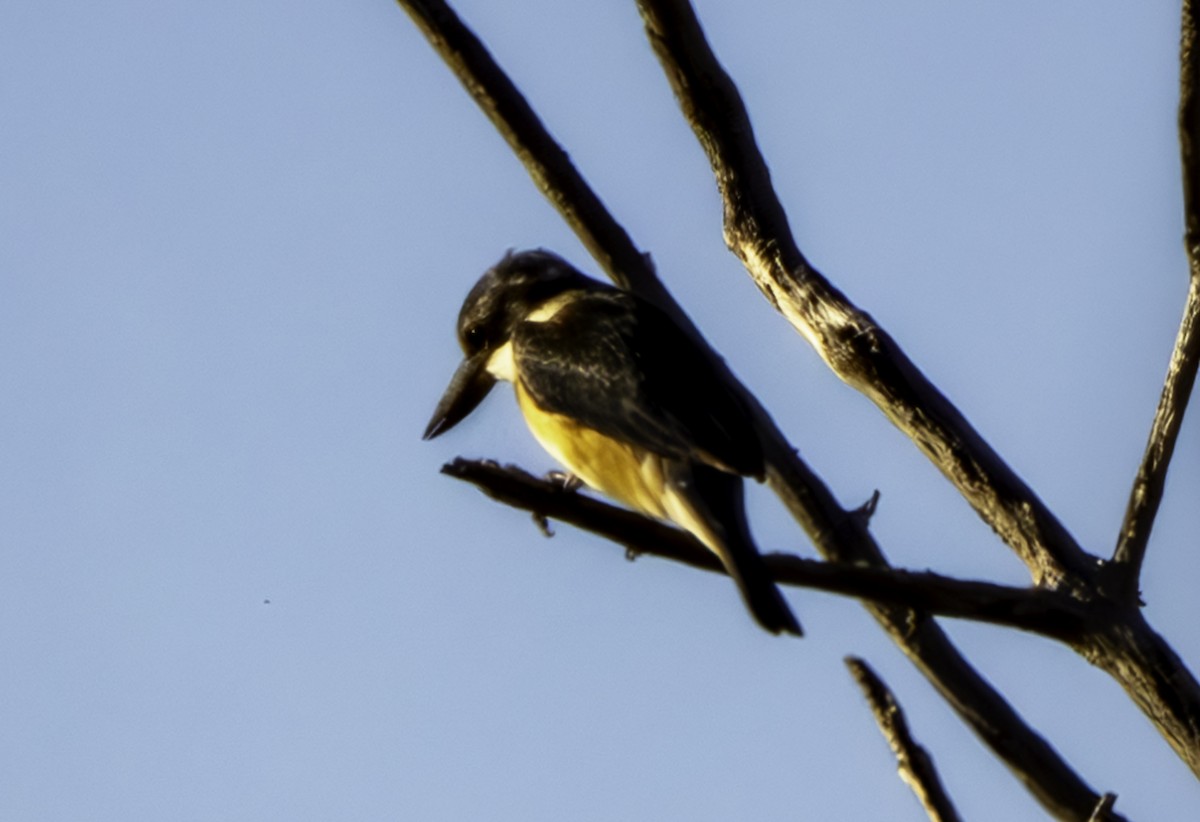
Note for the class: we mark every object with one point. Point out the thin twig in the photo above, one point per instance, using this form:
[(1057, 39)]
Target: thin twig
[(1151, 477), (912, 760)]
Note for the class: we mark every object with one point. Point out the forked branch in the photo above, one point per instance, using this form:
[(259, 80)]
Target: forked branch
[(1035, 763), (854, 346), (866, 357), (839, 534)]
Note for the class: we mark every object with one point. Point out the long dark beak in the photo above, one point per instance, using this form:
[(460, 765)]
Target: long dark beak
[(471, 383)]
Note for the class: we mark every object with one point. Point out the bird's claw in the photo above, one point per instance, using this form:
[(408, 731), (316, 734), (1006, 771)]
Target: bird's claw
[(567, 480)]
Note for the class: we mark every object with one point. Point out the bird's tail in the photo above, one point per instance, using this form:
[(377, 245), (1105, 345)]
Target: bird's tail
[(763, 597), (717, 515)]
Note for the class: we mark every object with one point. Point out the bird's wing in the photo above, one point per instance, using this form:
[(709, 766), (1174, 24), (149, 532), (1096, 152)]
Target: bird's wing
[(621, 366)]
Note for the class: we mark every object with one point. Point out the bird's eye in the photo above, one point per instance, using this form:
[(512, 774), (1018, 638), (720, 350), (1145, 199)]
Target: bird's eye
[(475, 337)]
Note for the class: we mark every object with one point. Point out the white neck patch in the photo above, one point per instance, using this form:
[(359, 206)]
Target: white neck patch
[(501, 364)]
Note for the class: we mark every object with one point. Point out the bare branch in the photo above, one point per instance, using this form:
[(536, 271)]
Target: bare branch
[(912, 760), (1148, 485), (1189, 126), (1035, 610), (838, 534), (847, 338), (1151, 477), (1120, 642), (1045, 774), (550, 167), (867, 358)]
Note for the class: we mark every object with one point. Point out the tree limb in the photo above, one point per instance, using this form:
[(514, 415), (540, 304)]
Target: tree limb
[(1034, 762), (866, 357), (1035, 610), (1151, 477), (836, 533), (550, 167), (1119, 642), (859, 351), (912, 760)]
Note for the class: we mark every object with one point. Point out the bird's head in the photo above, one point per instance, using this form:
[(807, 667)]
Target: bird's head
[(504, 296)]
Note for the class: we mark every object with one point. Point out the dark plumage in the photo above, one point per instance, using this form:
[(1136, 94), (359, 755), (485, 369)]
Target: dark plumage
[(615, 390), (617, 364)]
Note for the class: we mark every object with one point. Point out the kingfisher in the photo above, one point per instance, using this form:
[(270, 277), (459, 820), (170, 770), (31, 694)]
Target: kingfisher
[(618, 394)]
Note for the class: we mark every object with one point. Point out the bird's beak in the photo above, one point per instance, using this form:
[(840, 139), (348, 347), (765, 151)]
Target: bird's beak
[(471, 383)]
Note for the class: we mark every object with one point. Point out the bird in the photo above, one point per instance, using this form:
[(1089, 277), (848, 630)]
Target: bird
[(624, 399)]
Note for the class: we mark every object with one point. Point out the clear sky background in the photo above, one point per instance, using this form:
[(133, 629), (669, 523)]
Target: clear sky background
[(234, 238)]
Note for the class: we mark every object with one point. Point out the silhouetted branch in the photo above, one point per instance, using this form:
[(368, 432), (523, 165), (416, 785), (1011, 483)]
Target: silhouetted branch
[(913, 761), (1148, 485), (1119, 642), (1045, 774), (549, 166), (1035, 610)]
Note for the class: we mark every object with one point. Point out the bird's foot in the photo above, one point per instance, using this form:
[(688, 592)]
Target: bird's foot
[(566, 479)]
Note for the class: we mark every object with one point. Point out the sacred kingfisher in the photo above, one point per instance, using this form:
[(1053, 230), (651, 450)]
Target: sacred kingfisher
[(614, 390)]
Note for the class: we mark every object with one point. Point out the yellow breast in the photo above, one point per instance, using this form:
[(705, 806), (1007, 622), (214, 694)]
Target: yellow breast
[(628, 474)]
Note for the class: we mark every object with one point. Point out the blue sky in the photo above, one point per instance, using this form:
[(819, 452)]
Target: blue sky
[(233, 584)]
